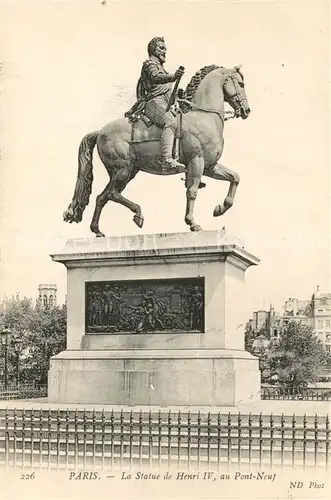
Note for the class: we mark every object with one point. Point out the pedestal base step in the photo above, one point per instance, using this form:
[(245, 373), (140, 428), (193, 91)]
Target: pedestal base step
[(196, 377)]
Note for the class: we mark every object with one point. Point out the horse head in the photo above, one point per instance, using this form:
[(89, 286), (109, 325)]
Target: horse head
[(234, 92)]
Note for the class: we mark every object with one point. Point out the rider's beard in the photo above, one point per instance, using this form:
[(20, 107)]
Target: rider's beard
[(161, 58)]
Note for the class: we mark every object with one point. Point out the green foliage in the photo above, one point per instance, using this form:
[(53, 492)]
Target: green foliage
[(299, 357), (250, 336), (17, 316), (36, 335), (48, 337), (17, 319)]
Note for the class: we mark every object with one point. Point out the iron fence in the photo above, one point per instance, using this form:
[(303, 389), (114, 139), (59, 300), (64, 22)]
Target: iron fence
[(269, 392), (100, 440), (23, 392), (302, 394)]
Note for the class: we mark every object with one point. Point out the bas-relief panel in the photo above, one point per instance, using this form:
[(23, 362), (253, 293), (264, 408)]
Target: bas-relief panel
[(145, 306)]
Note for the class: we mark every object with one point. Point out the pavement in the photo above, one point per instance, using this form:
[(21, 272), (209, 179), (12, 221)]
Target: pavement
[(276, 407)]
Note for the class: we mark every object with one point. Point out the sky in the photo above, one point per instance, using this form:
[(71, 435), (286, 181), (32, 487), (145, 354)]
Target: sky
[(69, 67)]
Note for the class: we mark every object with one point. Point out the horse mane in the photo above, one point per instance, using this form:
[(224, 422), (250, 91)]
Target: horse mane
[(197, 79)]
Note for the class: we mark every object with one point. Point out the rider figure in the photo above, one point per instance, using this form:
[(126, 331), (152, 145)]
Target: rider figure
[(154, 90)]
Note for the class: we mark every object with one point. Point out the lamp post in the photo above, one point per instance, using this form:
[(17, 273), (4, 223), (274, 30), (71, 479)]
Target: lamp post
[(17, 345), (4, 334)]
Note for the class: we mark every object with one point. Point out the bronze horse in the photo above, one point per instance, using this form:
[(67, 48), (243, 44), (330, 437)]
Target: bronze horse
[(125, 150)]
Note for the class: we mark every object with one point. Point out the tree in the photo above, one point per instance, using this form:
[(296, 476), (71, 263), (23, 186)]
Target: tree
[(250, 336), (48, 338), (16, 318), (299, 357), (37, 333)]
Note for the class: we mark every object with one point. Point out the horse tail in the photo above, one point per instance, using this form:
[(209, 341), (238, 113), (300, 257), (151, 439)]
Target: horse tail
[(84, 181)]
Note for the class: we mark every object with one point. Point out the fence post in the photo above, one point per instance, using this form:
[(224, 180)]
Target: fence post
[(14, 436), (84, 437), (229, 441), (150, 439), (23, 437), (327, 440), (293, 439), (239, 439), (271, 439), (32, 436), (41, 428), (112, 431), (67, 434), (93, 437), (179, 437), (304, 444), (219, 440), (260, 439), (131, 438), (208, 440), (7, 442), (169, 439), (58, 445), (315, 440), (140, 437), (282, 426), (121, 437), (199, 437), (76, 443), (250, 441), (103, 430), (49, 449), (159, 439), (189, 440)]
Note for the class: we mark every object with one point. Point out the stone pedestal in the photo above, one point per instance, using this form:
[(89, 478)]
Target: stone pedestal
[(207, 367)]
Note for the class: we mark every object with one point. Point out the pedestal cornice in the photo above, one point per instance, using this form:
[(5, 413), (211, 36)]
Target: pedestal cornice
[(155, 249)]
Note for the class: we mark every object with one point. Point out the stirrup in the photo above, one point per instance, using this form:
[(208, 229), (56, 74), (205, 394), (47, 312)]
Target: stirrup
[(201, 184), (172, 166)]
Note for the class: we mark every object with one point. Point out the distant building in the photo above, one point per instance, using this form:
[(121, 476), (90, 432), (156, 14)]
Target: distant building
[(315, 312), (260, 320), (5, 304), (321, 316), (47, 295)]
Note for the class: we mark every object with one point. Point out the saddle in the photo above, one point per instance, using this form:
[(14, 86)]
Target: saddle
[(153, 130), (147, 121), (153, 112)]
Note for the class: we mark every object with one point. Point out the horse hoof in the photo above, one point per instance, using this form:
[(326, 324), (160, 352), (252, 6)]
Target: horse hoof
[(139, 220), (218, 210), (196, 227), (99, 234), (68, 216)]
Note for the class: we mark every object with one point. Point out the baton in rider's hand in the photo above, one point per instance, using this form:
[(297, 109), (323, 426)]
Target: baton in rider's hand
[(178, 75)]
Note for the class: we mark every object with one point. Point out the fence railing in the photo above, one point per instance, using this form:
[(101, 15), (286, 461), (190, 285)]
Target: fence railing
[(123, 440), (23, 392), (304, 394)]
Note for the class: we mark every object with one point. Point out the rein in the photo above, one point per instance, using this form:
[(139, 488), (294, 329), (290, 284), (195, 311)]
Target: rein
[(231, 114), (194, 107)]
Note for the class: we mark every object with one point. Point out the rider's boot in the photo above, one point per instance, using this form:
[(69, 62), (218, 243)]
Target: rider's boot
[(169, 164)]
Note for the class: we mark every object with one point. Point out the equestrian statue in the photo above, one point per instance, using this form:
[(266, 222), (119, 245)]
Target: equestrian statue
[(168, 131)]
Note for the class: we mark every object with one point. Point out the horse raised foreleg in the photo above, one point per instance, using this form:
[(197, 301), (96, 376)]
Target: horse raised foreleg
[(119, 198), (222, 173), (193, 178)]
